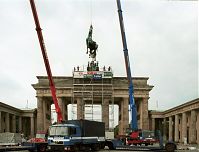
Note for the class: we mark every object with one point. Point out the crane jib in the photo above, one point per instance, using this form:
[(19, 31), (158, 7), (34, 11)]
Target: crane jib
[(134, 125), (46, 61)]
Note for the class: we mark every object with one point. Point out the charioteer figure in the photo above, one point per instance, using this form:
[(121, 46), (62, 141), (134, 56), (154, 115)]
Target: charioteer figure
[(91, 45)]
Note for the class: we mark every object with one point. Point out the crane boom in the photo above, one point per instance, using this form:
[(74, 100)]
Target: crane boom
[(133, 109), (46, 61)]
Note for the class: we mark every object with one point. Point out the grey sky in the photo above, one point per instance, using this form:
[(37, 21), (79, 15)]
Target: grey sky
[(161, 35)]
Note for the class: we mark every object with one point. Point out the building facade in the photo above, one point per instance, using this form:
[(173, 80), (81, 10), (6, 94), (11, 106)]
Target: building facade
[(104, 91), (17, 121), (179, 124)]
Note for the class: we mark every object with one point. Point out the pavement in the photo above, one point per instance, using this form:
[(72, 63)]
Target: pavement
[(190, 147)]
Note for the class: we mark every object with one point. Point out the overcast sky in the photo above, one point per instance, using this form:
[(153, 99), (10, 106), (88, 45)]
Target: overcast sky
[(162, 38)]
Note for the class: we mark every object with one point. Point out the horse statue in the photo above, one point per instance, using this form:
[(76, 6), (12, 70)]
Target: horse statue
[(91, 45)]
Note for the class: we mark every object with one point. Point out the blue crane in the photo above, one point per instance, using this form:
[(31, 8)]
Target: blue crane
[(133, 109)]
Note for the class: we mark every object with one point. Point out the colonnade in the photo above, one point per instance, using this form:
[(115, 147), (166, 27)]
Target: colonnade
[(15, 123), (184, 127)]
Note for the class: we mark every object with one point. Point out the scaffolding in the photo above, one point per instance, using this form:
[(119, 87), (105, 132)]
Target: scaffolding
[(92, 88)]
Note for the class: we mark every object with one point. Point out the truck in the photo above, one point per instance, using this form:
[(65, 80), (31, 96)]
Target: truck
[(75, 135), (143, 137), (38, 143), (16, 142)]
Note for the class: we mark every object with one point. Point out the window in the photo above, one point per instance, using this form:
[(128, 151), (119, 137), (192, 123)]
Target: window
[(72, 131)]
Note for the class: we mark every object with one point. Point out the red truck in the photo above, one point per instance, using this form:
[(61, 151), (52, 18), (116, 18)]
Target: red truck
[(39, 143)]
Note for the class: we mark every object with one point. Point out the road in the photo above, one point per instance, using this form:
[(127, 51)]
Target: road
[(107, 150)]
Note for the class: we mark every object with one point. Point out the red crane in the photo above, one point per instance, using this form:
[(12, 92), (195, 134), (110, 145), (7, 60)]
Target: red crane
[(46, 61)]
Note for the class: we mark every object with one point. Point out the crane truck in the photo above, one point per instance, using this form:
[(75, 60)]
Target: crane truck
[(137, 136)]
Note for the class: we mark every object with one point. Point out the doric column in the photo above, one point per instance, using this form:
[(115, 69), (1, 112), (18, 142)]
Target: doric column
[(197, 127), (44, 115), (144, 114), (153, 123), (63, 108), (20, 124), (140, 112), (125, 114), (7, 128), (120, 124), (184, 127), (0, 123), (60, 103), (13, 123), (105, 112), (170, 128), (32, 127), (40, 117), (80, 109), (176, 128), (164, 130), (66, 109), (193, 127)]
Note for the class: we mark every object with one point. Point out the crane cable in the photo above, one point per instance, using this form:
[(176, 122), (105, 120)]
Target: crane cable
[(91, 11)]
